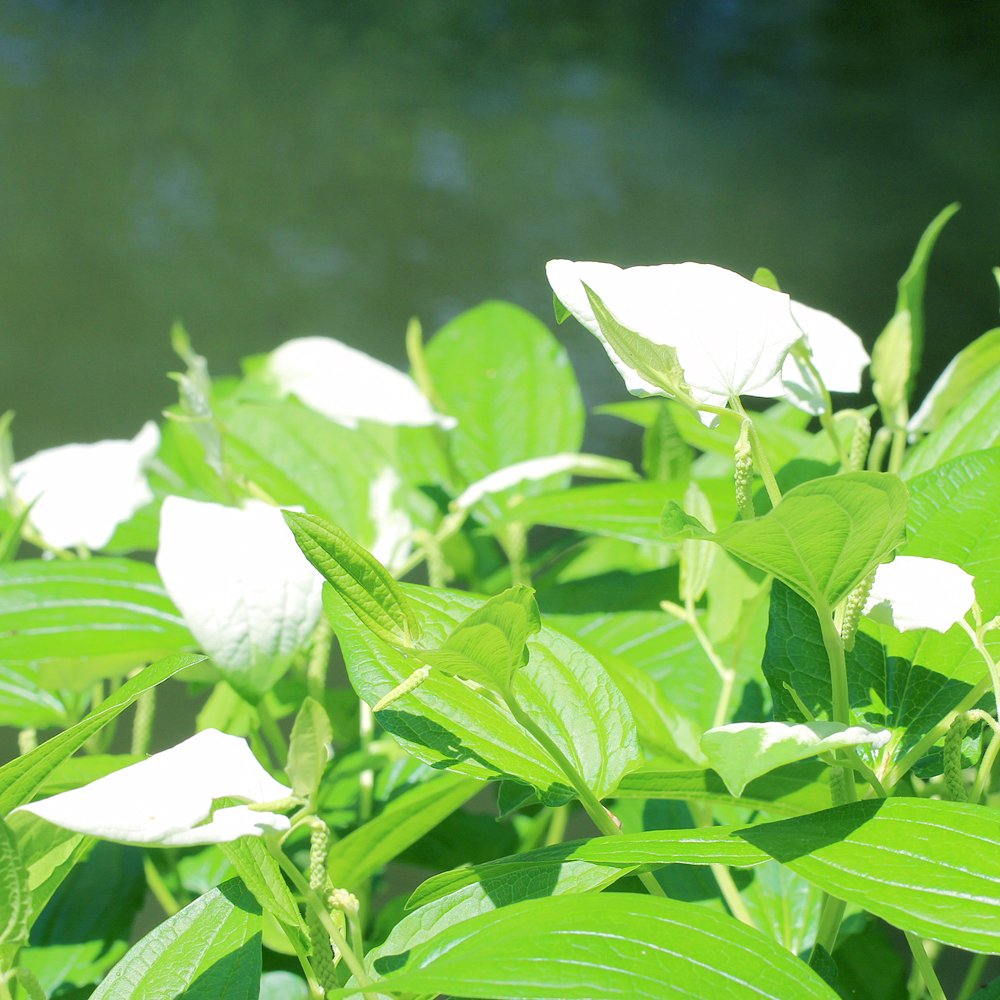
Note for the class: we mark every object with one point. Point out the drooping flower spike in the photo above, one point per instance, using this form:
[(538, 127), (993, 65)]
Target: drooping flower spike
[(82, 492), (166, 799)]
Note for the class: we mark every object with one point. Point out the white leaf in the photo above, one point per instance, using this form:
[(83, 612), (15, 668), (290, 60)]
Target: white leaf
[(745, 750), (837, 352), (348, 385), (731, 335), (534, 469), (82, 492), (249, 596), (914, 592), (167, 798)]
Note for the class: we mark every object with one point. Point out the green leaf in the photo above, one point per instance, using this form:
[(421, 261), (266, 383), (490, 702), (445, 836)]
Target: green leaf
[(656, 363), (870, 965), (891, 368), (254, 864), (965, 371), (74, 622), (745, 750), (490, 646), (621, 510), (493, 887), (922, 865), (619, 945), (788, 791), (973, 425), (989, 992), (403, 821), (862, 515), (208, 951), (15, 900), (696, 558), (907, 695), (764, 276), (649, 849), (362, 582), (443, 722), (499, 371), (911, 285), (307, 751), (85, 927), (20, 778), (953, 516)]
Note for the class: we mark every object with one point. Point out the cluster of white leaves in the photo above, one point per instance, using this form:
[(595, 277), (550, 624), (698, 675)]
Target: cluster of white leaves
[(732, 337)]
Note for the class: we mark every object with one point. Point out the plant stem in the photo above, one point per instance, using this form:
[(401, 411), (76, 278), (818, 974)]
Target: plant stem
[(760, 456), (598, 814), (558, 818), (159, 888), (274, 736), (898, 452), (982, 784), (991, 664), (838, 683), (972, 976), (366, 779), (319, 658), (926, 967), (316, 905), (831, 914), (879, 445)]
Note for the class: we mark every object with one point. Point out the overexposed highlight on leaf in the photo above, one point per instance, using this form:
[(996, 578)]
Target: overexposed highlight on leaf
[(166, 799), (347, 385), (82, 492), (535, 469), (914, 592), (743, 751), (837, 352), (731, 335), (249, 596)]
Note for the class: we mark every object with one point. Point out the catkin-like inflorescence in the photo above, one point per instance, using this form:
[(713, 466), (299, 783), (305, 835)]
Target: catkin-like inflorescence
[(743, 457), (853, 606), (860, 440), (322, 950), (954, 782)]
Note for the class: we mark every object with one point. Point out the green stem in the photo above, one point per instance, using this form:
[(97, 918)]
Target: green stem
[(323, 915), (599, 815), (831, 914), (558, 818), (366, 779), (838, 683), (926, 967), (760, 456), (972, 977), (982, 784), (898, 452), (274, 736), (879, 445), (159, 888), (991, 665)]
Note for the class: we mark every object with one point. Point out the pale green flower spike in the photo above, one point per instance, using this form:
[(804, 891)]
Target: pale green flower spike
[(853, 608), (860, 441), (166, 799), (82, 492), (743, 458), (404, 687), (914, 592), (347, 385)]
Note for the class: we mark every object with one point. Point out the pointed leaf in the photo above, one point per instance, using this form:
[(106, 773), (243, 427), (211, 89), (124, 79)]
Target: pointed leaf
[(359, 578), (308, 748), (15, 900), (210, 950), (863, 516), (613, 946), (925, 866)]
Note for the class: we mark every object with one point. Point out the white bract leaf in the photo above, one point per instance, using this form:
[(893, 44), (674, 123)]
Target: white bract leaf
[(249, 596), (731, 336), (347, 385), (745, 750), (534, 469), (393, 527), (167, 798), (82, 492), (916, 592), (837, 352)]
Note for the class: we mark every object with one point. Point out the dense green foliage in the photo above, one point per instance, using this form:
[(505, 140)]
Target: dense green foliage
[(703, 730)]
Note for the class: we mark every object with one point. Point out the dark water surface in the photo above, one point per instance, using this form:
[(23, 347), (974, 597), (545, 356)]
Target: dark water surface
[(265, 170)]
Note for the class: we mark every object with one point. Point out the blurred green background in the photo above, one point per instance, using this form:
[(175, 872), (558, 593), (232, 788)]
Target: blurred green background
[(267, 170)]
